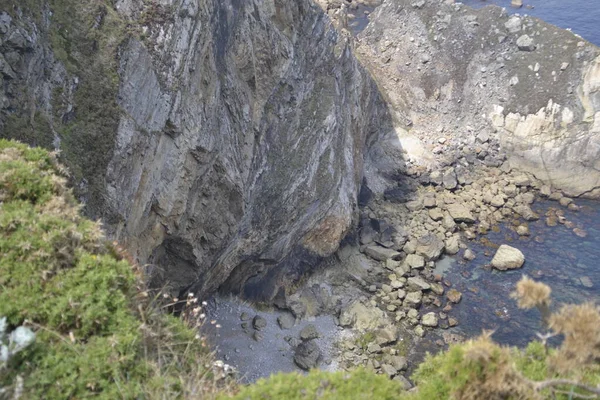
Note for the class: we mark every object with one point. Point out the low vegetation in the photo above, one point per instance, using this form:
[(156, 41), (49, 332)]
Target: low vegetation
[(99, 333)]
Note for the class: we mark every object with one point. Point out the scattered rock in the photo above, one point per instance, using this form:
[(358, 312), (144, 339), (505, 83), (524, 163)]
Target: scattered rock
[(526, 43), (380, 253), (307, 355), (460, 213), (418, 283), (388, 370), (469, 255), (286, 321), (454, 296), (430, 247), (386, 335), (309, 332), (452, 245), (259, 323), (415, 261), (413, 298), (508, 257), (430, 319)]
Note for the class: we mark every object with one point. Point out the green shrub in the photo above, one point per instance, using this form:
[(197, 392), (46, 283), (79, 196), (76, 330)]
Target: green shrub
[(357, 384), (98, 333)]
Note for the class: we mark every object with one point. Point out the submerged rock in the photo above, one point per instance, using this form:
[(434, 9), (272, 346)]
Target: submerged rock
[(508, 257)]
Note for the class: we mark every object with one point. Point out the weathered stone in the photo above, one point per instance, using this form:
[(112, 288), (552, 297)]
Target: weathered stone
[(454, 296), (430, 319), (307, 355), (374, 348), (449, 179), (259, 323), (526, 212), (388, 370), (414, 298), (469, 255), (430, 247), (452, 245), (508, 257), (309, 332), (436, 214), (417, 282), (380, 253), (386, 335), (526, 43), (415, 261), (286, 321), (460, 213)]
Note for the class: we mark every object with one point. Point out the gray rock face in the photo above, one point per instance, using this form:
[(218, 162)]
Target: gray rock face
[(239, 146), (240, 152), (508, 257)]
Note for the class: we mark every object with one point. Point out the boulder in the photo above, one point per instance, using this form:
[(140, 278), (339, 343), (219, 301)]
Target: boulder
[(309, 332), (526, 43), (307, 355), (508, 257), (386, 335), (380, 253), (452, 245), (413, 298), (259, 323), (430, 247), (286, 321), (469, 255), (460, 213), (430, 319), (449, 179), (362, 317), (513, 24), (436, 214), (415, 261), (418, 283), (454, 296)]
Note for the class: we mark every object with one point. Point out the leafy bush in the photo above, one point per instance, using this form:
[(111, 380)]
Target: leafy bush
[(357, 384), (98, 332)]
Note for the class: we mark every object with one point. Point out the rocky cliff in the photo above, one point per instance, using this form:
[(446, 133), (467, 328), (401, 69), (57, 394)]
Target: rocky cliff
[(235, 150), (465, 84), (225, 142)]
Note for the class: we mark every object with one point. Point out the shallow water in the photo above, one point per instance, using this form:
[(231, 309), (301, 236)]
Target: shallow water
[(582, 16), (560, 261)]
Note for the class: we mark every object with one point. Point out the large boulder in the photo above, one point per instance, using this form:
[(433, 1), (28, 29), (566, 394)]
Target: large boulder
[(430, 247), (508, 257), (307, 355), (460, 213)]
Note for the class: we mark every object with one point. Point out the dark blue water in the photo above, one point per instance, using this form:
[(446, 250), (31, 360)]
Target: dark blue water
[(581, 16), (560, 261)]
